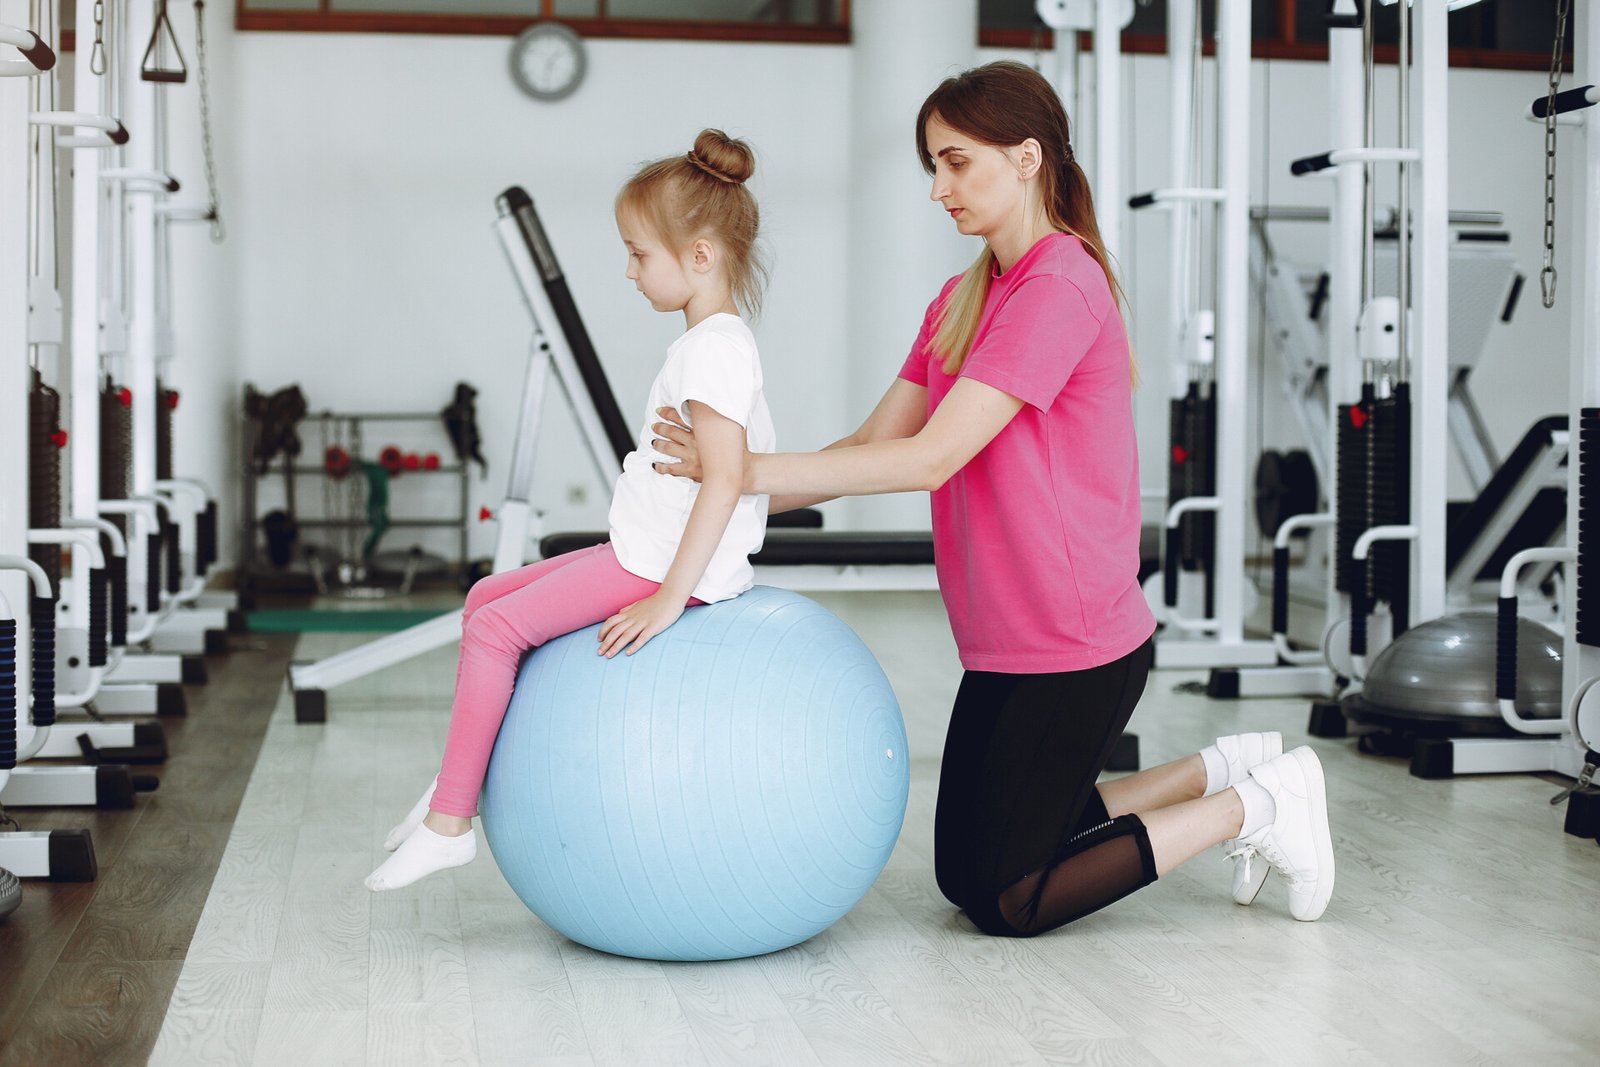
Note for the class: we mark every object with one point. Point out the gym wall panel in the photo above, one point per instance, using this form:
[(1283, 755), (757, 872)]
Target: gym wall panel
[(358, 174)]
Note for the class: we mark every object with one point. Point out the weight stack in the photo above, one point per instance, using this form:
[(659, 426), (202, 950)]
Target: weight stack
[(1588, 624), (1192, 470), (44, 473), (1354, 459), (166, 404), (1391, 502), (116, 448)]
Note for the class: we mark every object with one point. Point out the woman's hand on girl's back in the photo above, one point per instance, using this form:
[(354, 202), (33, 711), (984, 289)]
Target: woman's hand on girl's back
[(675, 439), (638, 622)]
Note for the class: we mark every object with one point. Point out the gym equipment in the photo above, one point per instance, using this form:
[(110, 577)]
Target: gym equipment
[(10, 893), (1207, 493), (731, 789), (1566, 743), (339, 548), (1440, 677)]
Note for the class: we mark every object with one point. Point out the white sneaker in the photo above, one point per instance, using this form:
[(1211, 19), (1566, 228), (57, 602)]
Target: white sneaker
[(1298, 844), (1244, 751)]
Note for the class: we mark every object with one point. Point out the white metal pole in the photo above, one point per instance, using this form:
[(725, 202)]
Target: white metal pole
[(1181, 32), (14, 92), (1108, 194), (139, 103), (1430, 437), (1233, 241), (1582, 662), (1347, 120), (83, 339)]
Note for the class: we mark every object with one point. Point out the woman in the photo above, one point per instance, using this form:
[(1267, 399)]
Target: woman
[(1014, 411)]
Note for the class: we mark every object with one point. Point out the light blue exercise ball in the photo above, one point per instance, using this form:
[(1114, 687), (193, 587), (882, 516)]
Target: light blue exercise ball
[(731, 789)]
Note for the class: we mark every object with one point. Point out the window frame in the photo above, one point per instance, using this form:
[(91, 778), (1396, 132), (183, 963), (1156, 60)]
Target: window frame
[(324, 20), (1284, 46)]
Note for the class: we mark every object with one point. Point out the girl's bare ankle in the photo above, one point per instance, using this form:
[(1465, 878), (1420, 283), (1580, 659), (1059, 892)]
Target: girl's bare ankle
[(446, 825)]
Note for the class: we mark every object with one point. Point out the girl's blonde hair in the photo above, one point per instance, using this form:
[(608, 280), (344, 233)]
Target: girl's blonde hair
[(702, 194), (1005, 103)]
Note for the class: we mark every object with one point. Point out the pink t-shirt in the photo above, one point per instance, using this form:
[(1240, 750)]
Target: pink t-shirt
[(1036, 539)]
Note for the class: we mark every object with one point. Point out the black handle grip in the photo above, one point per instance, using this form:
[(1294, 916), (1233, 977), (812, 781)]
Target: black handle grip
[(152, 573), (1142, 200), (118, 568), (168, 77), (119, 135), (206, 537), (39, 53), (43, 620), (1280, 590), (1359, 607), (1169, 566), (170, 535), (1505, 649), (99, 596), (8, 694), (1311, 164), (1571, 100), (1512, 297)]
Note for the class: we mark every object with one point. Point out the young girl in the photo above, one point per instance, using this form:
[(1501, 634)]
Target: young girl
[(689, 225)]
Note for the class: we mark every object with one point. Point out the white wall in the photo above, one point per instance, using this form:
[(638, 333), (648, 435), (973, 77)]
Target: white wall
[(368, 271), (359, 174)]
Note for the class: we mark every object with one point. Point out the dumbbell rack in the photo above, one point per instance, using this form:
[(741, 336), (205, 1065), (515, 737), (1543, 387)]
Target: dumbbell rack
[(256, 570)]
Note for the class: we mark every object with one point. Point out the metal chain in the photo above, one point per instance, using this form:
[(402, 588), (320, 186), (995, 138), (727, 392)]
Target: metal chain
[(1547, 276), (97, 55), (214, 210)]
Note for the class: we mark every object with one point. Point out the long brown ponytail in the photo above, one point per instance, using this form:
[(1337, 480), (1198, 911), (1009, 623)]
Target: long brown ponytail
[(1004, 104)]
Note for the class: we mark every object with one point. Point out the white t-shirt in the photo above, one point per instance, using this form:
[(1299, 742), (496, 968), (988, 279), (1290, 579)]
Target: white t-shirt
[(715, 363)]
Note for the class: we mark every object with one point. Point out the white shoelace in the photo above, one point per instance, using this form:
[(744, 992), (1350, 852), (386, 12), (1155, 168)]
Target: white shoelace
[(1246, 853), (1273, 856)]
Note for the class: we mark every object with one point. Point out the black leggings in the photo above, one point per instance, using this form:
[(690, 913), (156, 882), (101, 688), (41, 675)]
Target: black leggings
[(1021, 839)]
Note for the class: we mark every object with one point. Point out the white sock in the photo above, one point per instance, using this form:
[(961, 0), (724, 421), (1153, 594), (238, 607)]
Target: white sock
[(1216, 769), (407, 826), (1259, 807), (420, 855)]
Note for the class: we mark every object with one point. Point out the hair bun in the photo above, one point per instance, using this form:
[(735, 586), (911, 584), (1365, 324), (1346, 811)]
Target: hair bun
[(724, 158)]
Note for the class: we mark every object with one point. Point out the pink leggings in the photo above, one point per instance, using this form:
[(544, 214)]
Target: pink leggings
[(506, 615)]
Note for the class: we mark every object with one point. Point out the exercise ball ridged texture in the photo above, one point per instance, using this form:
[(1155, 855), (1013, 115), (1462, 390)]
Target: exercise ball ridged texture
[(1445, 669), (731, 789)]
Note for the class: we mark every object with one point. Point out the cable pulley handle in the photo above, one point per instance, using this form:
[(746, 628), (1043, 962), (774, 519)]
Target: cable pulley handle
[(150, 69)]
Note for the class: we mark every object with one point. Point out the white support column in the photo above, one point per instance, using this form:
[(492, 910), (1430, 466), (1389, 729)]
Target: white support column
[(1345, 79), (1430, 387), (139, 206), (1232, 357), (83, 336), (1109, 198), (1582, 157), (14, 327), (900, 52), (1181, 30)]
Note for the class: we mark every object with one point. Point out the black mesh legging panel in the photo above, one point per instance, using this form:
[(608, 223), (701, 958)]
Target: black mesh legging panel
[(1022, 840)]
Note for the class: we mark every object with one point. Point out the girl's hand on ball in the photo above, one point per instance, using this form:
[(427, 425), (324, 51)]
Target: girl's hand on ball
[(675, 439), (638, 622)]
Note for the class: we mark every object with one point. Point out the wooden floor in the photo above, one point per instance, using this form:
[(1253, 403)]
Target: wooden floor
[(1464, 928), (89, 969)]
